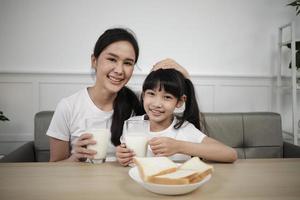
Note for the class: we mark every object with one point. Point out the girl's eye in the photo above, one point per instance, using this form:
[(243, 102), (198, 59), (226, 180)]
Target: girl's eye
[(168, 97), (150, 93)]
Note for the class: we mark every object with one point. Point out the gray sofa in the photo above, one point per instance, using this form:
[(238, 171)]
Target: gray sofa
[(253, 135)]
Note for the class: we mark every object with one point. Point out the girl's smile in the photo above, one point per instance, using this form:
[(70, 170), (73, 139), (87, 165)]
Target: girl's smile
[(159, 106)]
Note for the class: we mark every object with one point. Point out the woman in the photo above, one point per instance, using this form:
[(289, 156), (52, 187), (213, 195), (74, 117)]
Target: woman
[(115, 54)]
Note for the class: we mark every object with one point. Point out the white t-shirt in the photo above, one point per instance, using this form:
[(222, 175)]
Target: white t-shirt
[(69, 119), (187, 132)]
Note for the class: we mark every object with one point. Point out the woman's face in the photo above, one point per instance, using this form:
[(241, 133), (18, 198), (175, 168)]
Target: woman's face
[(114, 66)]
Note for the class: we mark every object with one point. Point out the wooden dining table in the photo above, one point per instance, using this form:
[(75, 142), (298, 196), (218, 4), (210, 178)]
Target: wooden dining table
[(245, 179)]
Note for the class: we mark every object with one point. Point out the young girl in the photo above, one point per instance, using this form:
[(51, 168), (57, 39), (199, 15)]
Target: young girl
[(178, 137)]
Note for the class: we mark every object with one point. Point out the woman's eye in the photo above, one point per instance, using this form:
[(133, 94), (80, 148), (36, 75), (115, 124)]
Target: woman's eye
[(112, 59), (128, 63)]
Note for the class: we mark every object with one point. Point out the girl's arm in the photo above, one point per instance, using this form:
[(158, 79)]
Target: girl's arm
[(60, 150), (208, 149)]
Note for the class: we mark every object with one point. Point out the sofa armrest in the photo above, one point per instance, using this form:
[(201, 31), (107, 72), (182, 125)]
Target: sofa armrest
[(291, 150), (24, 153)]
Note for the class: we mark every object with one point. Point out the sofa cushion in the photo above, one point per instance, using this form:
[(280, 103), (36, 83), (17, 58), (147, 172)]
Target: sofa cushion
[(253, 135), (41, 140), (225, 127)]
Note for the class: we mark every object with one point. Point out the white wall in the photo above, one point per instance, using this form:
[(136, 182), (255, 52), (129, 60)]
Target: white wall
[(236, 37), (229, 47)]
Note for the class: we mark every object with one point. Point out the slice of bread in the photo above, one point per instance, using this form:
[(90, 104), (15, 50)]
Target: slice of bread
[(202, 169), (194, 164), (161, 170), (178, 177), (154, 166)]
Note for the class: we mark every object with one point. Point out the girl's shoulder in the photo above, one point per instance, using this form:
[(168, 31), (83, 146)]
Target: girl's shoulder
[(188, 126), (139, 117)]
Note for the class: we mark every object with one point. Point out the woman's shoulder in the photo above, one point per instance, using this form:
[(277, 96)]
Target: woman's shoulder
[(73, 99), (79, 94)]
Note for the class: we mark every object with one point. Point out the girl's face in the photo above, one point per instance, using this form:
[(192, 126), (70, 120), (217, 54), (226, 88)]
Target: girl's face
[(160, 105), (114, 66)]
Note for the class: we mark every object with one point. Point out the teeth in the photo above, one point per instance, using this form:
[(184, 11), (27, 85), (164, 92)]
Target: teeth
[(155, 111), (115, 79)]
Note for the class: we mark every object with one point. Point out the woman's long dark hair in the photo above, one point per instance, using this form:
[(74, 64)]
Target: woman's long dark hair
[(173, 82), (126, 103)]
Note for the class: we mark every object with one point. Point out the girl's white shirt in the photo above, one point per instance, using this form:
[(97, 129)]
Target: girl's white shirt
[(187, 132), (69, 119)]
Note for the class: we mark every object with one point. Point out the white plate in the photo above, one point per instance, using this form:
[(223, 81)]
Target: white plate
[(166, 189)]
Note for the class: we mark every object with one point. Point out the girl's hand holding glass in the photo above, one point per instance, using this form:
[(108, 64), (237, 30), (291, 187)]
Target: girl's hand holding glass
[(124, 155), (164, 146), (135, 136)]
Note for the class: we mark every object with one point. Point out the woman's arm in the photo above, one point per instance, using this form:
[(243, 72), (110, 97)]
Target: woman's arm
[(60, 150), (170, 63)]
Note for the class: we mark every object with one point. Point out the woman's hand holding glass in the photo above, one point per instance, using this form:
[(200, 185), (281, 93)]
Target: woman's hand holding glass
[(81, 153)]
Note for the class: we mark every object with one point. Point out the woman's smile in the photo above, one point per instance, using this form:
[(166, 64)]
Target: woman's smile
[(116, 80)]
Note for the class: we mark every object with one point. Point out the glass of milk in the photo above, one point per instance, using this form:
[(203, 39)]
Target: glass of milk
[(135, 136), (100, 130)]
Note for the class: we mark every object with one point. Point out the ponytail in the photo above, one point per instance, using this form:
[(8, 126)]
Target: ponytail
[(125, 104), (191, 112)]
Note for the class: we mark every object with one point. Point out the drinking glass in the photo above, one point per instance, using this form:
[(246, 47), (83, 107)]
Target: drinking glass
[(101, 134), (135, 136)]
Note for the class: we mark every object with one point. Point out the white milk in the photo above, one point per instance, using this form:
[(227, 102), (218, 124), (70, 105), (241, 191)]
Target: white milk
[(101, 136), (137, 143)]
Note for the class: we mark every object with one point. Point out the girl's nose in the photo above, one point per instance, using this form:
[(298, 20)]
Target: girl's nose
[(157, 102)]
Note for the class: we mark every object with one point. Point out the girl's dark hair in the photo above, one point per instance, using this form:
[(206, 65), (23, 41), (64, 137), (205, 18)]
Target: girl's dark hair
[(126, 103), (173, 82), (115, 35)]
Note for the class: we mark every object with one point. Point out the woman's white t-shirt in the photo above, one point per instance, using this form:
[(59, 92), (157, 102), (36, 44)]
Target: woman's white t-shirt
[(71, 113), (187, 132)]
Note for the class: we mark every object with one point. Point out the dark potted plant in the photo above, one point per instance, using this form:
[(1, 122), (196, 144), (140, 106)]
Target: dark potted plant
[(2, 117), (297, 54), (297, 5)]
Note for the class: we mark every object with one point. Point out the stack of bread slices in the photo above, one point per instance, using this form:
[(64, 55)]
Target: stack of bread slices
[(161, 170)]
